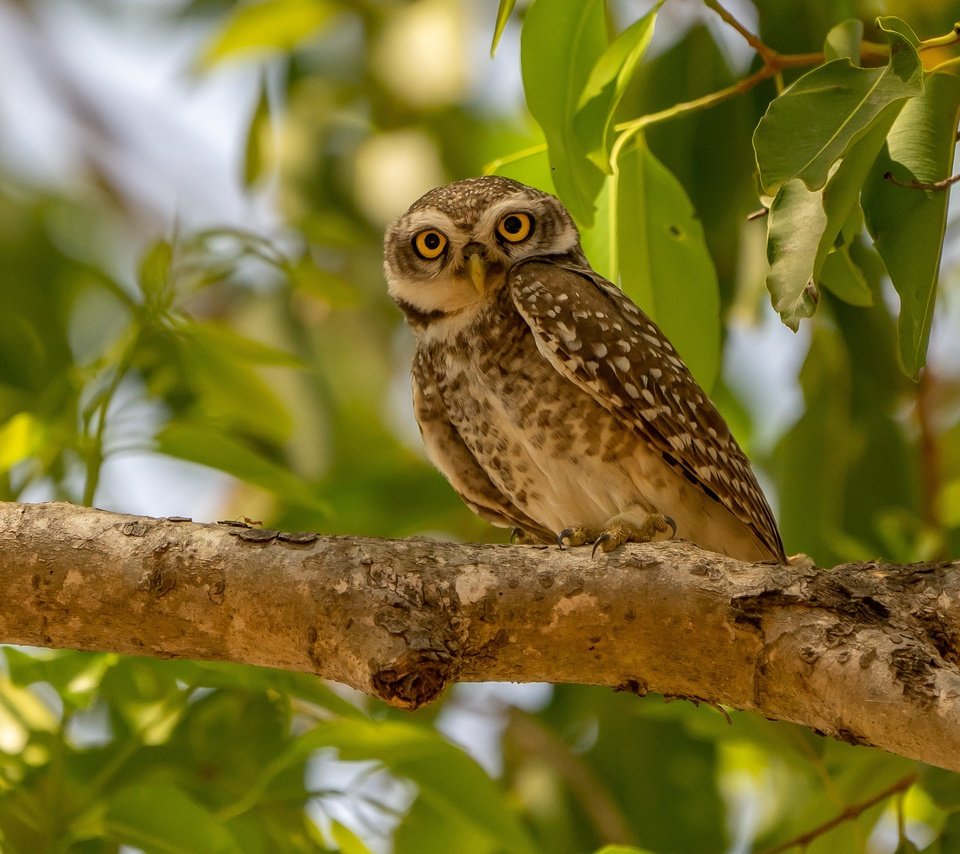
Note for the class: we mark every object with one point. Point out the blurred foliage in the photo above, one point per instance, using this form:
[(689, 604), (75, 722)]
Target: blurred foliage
[(274, 357)]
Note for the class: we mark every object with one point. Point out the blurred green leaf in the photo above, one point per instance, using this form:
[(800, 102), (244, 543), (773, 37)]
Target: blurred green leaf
[(606, 85), (256, 160), (559, 46), (234, 346), (908, 224), (225, 387), (279, 25), (504, 11), (160, 817), (452, 787), (202, 444), (664, 263), (810, 126), (153, 273)]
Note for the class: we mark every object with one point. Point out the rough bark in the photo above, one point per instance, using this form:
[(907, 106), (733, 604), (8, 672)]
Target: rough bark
[(868, 653)]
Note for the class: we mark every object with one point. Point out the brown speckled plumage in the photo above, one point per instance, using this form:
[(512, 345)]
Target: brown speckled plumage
[(550, 400)]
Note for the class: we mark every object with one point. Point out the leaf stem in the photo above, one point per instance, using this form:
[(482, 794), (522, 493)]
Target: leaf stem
[(940, 41), (851, 812)]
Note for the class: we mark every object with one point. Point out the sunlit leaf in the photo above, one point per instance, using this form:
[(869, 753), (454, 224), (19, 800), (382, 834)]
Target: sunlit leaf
[(559, 46), (504, 11), (810, 126), (347, 841), (664, 263), (605, 87), (279, 25), (907, 224), (161, 817), (21, 436)]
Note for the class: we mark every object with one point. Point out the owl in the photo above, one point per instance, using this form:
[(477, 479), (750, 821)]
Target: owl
[(550, 402)]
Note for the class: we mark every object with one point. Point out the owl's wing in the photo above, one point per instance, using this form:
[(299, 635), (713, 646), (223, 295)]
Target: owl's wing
[(594, 335), (456, 462)]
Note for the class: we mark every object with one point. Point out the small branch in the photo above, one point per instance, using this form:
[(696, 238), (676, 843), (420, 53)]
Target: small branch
[(849, 814), (914, 184), (866, 653), (762, 50)]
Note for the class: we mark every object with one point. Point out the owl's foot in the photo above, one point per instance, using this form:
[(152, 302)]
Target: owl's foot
[(519, 537), (617, 531)]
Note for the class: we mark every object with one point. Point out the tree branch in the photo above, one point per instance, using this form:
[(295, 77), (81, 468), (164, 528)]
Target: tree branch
[(867, 653)]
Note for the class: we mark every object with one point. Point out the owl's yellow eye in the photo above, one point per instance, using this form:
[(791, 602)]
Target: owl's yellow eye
[(430, 243), (515, 227)]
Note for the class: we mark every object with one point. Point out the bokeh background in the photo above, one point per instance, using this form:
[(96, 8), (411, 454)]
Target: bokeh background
[(193, 322)]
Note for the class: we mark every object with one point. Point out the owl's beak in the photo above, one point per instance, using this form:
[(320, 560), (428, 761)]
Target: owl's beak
[(477, 268)]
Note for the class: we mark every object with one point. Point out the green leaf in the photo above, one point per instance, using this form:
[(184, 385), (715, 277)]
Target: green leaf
[(153, 273), (233, 345), (453, 788), (278, 25), (810, 126), (804, 225), (908, 225), (206, 446), (664, 263), (160, 817), (347, 841), (21, 436), (504, 11), (559, 46), (606, 85), (228, 390), (843, 41), (255, 160), (844, 279)]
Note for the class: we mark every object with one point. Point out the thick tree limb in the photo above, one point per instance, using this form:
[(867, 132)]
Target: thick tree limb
[(868, 653)]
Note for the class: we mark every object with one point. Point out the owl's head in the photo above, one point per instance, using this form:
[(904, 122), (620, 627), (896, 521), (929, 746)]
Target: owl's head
[(450, 253)]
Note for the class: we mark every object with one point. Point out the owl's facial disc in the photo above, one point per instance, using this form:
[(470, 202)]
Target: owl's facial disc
[(451, 252)]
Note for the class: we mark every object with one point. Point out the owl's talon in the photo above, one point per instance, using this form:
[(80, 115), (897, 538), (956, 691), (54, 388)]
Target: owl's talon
[(601, 541), (577, 536), (519, 537)]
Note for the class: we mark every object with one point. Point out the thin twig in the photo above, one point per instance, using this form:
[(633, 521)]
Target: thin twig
[(914, 184), (851, 812)]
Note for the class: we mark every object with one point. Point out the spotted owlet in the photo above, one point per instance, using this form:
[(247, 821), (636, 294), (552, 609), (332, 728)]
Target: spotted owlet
[(549, 400)]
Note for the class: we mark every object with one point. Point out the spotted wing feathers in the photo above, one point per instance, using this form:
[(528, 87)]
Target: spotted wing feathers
[(592, 333)]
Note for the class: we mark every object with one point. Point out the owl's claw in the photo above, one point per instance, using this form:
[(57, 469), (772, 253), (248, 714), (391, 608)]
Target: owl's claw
[(577, 536), (519, 537), (617, 531)]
